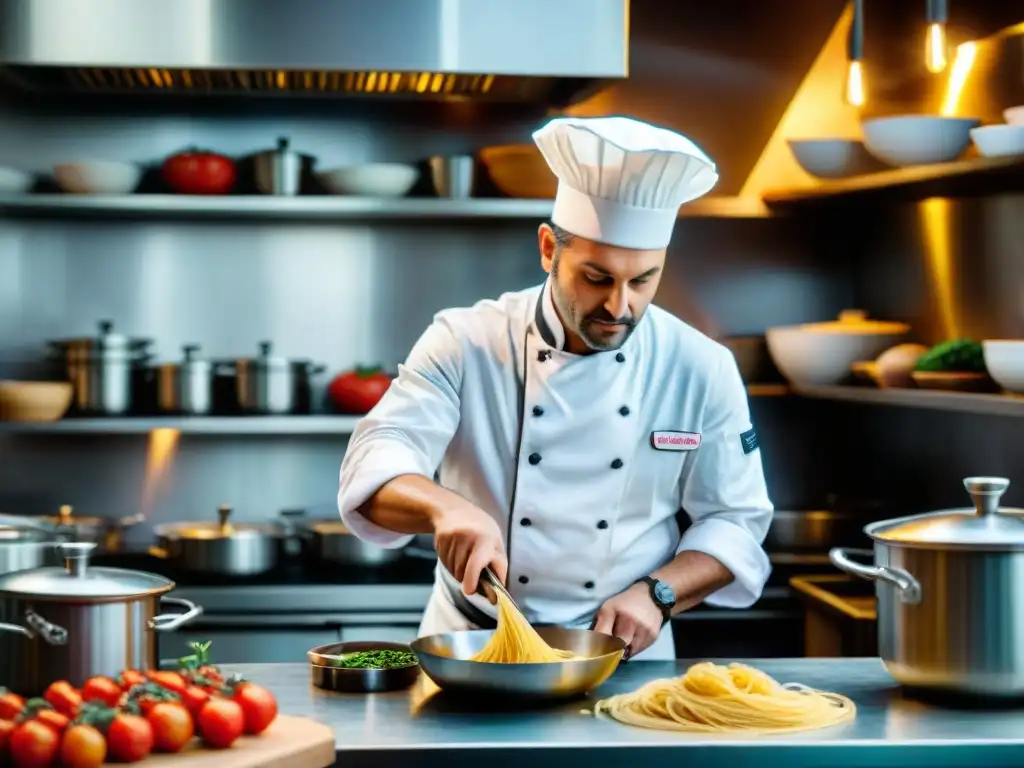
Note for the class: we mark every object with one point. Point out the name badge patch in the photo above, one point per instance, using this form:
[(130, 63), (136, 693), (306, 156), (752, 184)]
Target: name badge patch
[(749, 440), (668, 440)]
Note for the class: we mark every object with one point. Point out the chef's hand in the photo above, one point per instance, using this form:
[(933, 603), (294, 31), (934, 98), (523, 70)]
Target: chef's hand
[(632, 616), (468, 540)]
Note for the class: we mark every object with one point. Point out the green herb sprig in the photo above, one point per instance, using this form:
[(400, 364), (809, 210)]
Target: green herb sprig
[(380, 659)]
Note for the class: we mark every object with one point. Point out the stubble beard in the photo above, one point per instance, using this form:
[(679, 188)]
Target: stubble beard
[(567, 310)]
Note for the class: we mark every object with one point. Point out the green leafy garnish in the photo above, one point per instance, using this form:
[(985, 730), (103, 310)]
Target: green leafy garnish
[(381, 659)]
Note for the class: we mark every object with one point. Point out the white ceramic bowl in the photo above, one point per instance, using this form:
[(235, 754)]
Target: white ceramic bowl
[(1004, 359), (918, 139), (999, 140), (833, 158), (1014, 115), (13, 181), (98, 177), (373, 180), (819, 355)]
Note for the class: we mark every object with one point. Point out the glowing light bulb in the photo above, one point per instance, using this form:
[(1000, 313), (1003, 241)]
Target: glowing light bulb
[(855, 92), (935, 48)]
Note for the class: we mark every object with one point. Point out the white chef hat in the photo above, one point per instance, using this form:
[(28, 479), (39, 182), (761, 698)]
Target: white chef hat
[(621, 181)]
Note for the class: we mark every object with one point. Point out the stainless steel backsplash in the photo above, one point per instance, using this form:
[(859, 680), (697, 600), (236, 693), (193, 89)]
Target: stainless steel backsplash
[(347, 292), (341, 294)]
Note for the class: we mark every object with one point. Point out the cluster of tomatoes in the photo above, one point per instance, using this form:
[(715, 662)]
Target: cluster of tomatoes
[(125, 719)]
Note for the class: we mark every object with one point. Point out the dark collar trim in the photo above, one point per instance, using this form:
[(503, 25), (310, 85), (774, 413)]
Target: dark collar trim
[(541, 322)]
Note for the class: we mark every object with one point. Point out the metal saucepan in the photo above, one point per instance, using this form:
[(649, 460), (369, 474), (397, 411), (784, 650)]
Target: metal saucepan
[(278, 171), (103, 370), (186, 387), (950, 594), (445, 660), (223, 547), (330, 541), (23, 548), (107, 533), (75, 622), (794, 531), (267, 384)]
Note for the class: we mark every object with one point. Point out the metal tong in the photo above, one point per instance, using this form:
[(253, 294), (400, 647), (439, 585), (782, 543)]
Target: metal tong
[(489, 579)]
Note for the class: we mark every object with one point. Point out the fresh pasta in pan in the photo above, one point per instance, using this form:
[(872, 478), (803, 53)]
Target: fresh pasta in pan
[(516, 642), (711, 698)]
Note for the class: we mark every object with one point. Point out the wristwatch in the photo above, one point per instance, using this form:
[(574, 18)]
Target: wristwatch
[(662, 594)]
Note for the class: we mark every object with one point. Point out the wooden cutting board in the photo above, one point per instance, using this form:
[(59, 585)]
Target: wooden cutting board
[(290, 742)]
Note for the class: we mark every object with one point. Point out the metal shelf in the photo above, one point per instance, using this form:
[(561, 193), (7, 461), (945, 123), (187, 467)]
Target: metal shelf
[(192, 425), (234, 425), (324, 207), (963, 178), (962, 402)]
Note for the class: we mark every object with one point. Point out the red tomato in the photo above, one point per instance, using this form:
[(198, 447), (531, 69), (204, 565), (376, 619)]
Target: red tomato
[(194, 698), (357, 391), (129, 738), (63, 697), (171, 681), (210, 672), (34, 745), (11, 704), (6, 728), (220, 722), (172, 726), (130, 678), (83, 747), (146, 703), (103, 690), (52, 718), (195, 172), (259, 707)]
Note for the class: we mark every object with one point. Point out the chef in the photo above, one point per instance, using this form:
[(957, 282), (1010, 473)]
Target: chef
[(561, 434)]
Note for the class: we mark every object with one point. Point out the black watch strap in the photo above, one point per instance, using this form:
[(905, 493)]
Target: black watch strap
[(665, 608)]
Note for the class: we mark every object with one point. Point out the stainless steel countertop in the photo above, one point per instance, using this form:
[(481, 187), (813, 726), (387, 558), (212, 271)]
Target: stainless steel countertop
[(890, 729)]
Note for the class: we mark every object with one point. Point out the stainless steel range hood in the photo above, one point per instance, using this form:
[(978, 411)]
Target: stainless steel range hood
[(535, 51)]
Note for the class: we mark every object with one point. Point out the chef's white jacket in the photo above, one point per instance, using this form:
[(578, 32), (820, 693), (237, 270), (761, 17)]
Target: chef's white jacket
[(613, 445)]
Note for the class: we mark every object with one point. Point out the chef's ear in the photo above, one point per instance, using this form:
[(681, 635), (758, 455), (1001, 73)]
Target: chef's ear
[(547, 244)]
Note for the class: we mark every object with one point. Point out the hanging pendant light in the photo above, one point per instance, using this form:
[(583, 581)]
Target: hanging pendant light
[(935, 41), (855, 93)]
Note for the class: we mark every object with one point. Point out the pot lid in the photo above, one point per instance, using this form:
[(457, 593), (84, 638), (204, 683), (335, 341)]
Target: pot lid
[(65, 517), (13, 534), (223, 528), (107, 340), (987, 525), (856, 321), (77, 581)]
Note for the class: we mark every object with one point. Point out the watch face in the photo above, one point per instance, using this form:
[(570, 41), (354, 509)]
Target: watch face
[(663, 594)]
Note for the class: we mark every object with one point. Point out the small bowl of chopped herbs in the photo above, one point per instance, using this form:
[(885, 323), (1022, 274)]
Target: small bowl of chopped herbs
[(363, 667)]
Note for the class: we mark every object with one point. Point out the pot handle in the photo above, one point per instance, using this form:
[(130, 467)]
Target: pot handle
[(908, 587), (168, 622), (38, 627)]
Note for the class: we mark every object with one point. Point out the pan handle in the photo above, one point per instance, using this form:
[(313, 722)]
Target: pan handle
[(168, 622), (907, 586)]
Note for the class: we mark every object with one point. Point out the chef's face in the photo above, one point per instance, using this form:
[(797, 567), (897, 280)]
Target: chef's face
[(600, 291)]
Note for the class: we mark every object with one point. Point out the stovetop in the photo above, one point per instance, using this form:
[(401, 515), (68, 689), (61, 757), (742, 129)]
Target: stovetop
[(408, 570)]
